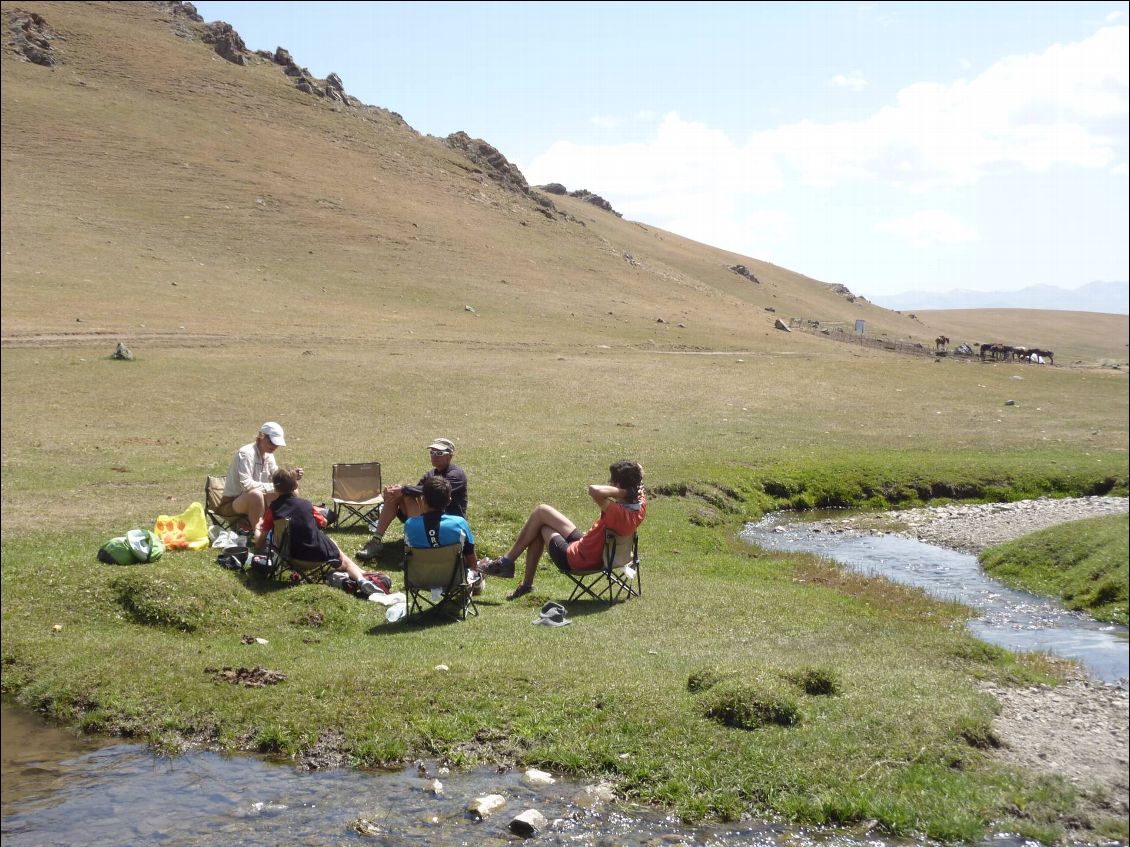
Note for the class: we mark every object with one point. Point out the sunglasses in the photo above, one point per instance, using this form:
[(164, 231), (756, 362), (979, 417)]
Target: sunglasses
[(438, 452)]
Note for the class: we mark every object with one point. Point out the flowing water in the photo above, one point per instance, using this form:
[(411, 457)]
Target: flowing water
[(63, 789), (1007, 617)]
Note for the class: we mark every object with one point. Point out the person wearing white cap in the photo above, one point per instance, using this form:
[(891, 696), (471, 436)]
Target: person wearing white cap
[(406, 501), (248, 489)]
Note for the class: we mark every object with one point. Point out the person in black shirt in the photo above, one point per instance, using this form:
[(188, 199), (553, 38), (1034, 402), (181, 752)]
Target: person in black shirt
[(406, 501), (306, 521)]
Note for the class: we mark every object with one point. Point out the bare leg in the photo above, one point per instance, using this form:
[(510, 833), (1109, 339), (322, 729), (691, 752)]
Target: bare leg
[(348, 565), (396, 501), (534, 551), (253, 504), (542, 516)]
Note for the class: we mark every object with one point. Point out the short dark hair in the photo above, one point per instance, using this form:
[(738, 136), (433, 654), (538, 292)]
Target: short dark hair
[(627, 475), (437, 492), (285, 480)]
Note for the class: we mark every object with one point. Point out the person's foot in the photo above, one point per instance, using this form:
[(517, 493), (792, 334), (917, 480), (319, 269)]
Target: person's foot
[(366, 587), (501, 566), (478, 583), (521, 591), (371, 550)]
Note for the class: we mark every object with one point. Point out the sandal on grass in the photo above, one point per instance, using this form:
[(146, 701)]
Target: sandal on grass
[(521, 591)]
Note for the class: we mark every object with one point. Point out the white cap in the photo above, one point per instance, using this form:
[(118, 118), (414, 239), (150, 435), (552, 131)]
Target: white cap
[(443, 445), (274, 432)]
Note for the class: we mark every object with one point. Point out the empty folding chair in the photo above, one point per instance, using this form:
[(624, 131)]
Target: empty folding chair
[(618, 576), (435, 580), (357, 494)]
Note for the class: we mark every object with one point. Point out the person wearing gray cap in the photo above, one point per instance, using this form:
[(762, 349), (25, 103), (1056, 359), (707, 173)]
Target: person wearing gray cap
[(248, 489), (406, 501)]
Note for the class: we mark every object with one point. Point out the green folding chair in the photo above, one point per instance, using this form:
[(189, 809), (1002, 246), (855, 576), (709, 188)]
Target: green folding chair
[(435, 581)]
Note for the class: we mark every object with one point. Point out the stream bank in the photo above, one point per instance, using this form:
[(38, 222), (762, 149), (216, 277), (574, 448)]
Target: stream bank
[(1079, 730)]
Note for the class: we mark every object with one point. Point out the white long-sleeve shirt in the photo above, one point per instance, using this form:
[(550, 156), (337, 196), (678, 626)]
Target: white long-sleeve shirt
[(250, 470)]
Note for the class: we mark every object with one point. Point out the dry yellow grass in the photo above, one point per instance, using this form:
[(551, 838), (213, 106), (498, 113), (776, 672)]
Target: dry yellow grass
[(232, 229)]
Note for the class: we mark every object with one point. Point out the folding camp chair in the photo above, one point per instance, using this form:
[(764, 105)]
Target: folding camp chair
[(218, 515), (357, 494), (291, 569), (618, 576), (435, 579)]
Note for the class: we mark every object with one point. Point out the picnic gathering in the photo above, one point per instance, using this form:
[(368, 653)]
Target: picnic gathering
[(280, 534)]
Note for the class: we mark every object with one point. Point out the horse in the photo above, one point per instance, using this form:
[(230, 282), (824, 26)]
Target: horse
[(1036, 355), (940, 343)]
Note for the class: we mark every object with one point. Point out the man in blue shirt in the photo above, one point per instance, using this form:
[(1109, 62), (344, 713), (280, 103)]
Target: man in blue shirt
[(437, 528)]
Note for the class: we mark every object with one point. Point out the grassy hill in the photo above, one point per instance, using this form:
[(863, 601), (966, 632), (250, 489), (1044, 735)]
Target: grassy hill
[(271, 254)]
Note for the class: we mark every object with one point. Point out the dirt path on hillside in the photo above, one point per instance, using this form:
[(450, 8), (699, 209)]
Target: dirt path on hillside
[(1079, 730)]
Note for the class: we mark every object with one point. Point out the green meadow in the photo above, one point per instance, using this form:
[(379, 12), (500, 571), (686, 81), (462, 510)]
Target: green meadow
[(371, 289)]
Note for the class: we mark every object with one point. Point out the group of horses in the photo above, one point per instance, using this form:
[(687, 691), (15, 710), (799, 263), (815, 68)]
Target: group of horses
[(1002, 352), (1007, 352)]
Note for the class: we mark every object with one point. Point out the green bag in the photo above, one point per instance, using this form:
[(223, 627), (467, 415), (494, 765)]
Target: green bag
[(135, 547)]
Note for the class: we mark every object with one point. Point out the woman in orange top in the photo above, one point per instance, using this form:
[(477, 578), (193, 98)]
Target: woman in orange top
[(623, 506)]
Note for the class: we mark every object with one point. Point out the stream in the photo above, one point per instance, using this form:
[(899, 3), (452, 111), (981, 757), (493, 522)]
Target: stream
[(1008, 617), (60, 788)]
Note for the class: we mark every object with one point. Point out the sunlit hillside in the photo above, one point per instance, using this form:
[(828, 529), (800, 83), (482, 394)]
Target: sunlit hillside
[(153, 189)]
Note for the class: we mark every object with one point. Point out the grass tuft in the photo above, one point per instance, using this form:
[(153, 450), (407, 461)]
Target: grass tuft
[(749, 705), (816, 682)]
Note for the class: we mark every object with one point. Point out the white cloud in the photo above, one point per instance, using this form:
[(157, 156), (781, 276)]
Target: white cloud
[(1066, 106), (929, 228), (1120, 169), (1116, 15), (854, 81), (645, 115), (682, 157), (606, 121), (1060, 107)]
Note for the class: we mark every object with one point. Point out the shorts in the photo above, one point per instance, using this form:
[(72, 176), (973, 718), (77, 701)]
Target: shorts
[(225, 508), (558, 548)]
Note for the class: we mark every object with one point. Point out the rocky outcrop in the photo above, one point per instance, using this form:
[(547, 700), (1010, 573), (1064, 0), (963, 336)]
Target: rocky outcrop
[(496, 167), (180, 9), (554, 188), (844, 291), (742, 270), (595, 199), (31, 38), (226, 41), (183, 18), (332, 88)]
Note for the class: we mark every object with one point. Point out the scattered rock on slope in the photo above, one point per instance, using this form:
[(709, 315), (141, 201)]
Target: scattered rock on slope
[(742, 270), (31, 37)]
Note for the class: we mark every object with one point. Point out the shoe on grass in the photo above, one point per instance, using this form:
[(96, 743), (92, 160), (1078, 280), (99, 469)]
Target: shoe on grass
[(478, 583), (371, 550), (497, 567), (521, 591)]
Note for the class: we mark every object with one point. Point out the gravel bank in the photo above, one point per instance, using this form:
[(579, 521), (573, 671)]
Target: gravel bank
[(971, 529), (1079, 730)]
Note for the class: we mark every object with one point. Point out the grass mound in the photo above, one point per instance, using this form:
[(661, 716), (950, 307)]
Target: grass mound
[(753, 704), (1082, 562), (177, 599)]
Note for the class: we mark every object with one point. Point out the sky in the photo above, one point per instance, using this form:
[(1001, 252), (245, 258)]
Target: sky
[(888, 147)]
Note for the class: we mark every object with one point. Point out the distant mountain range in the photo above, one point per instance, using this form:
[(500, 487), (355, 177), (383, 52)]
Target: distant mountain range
[(1110, 297)]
